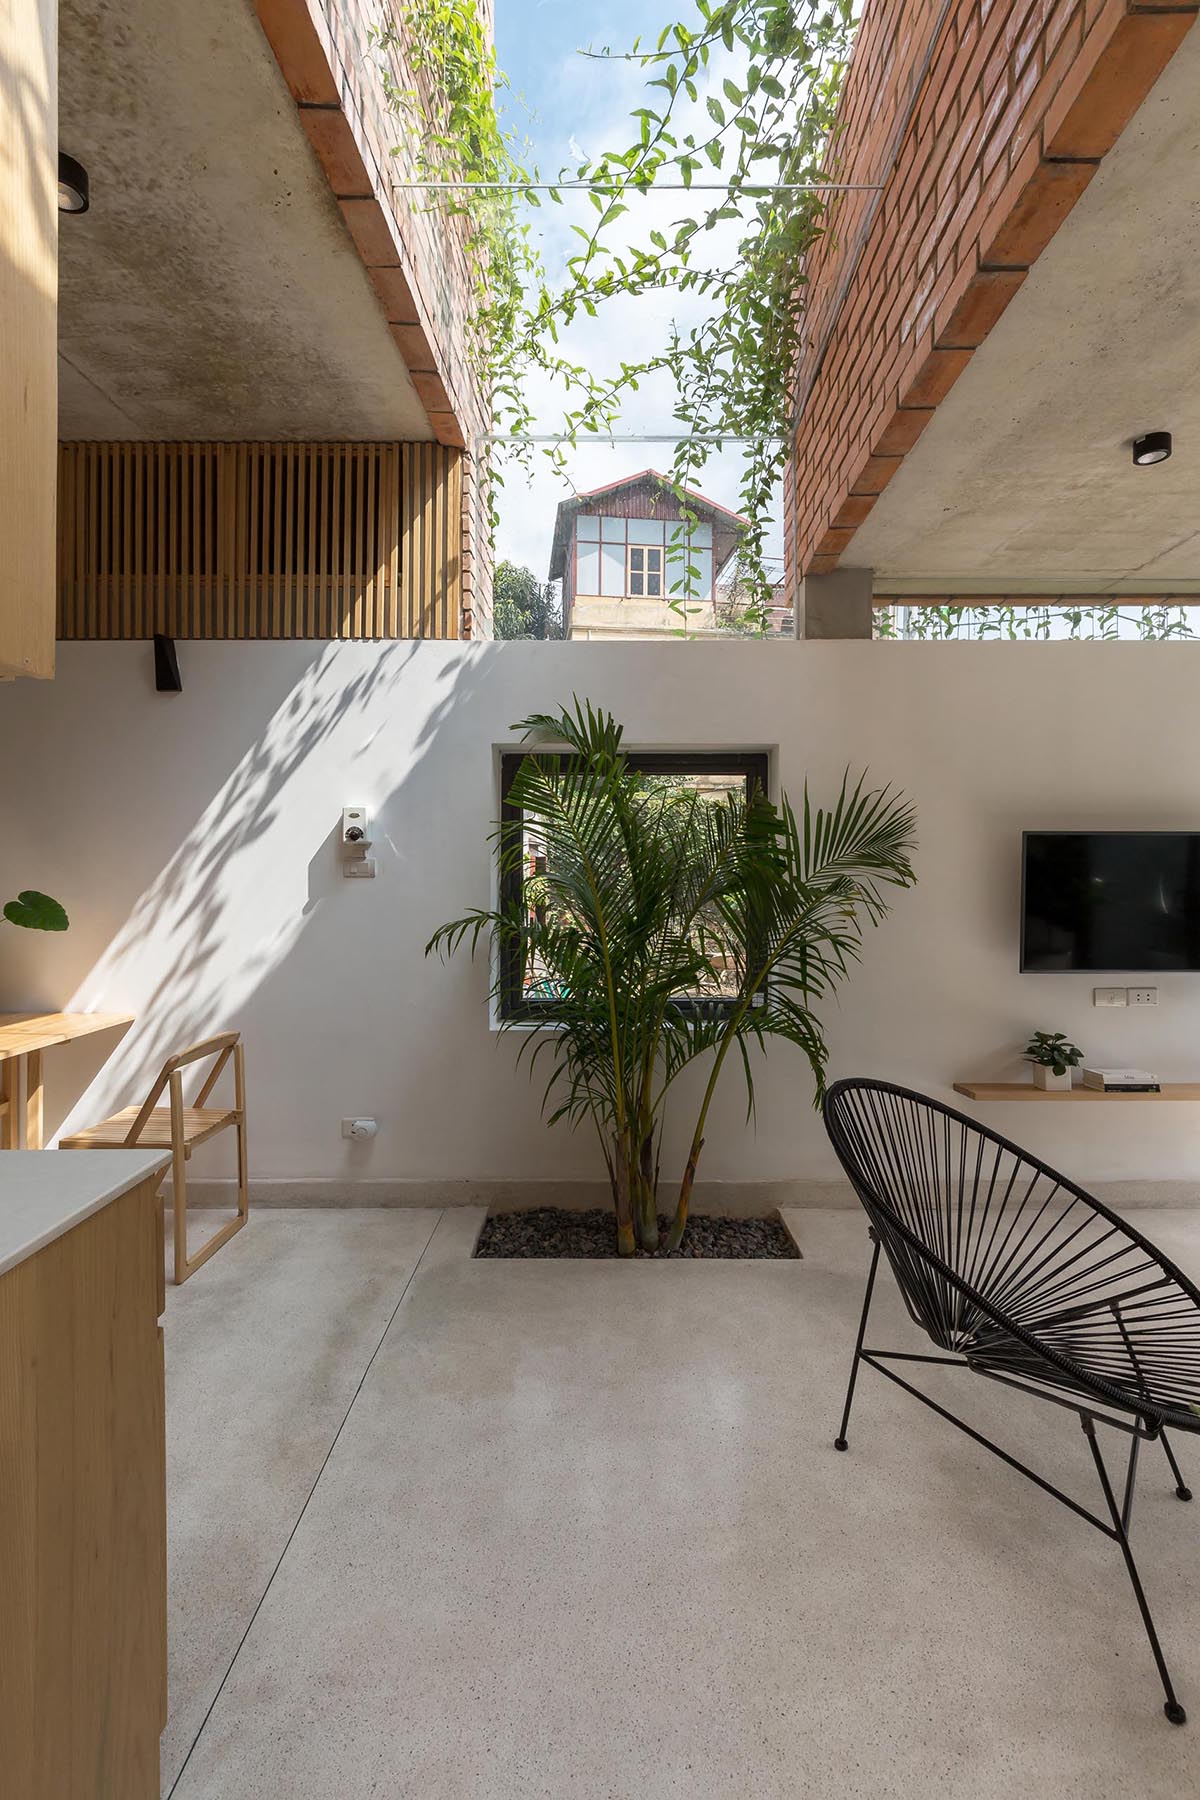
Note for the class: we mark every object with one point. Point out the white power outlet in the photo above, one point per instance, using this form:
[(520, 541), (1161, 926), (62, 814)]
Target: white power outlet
[(1110, 997), (1142, 996), (358, 1129)]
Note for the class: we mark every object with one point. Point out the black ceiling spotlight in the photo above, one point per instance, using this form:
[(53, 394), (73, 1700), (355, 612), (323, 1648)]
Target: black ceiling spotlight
[(1152, 447), (74, 194)]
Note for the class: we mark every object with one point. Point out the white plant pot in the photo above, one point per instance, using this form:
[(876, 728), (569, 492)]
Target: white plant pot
[(1044, 1077)]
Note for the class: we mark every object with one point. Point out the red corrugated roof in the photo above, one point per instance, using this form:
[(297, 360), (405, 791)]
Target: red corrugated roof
[(610, 487)]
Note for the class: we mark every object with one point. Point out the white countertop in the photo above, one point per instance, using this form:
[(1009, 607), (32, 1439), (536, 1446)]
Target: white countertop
[(43, 1193)]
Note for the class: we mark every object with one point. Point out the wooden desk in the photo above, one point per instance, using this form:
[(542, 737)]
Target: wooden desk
[(23, 1038)]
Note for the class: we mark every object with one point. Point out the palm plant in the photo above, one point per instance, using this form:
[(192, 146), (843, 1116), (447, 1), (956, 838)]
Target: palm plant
[(673, 927)]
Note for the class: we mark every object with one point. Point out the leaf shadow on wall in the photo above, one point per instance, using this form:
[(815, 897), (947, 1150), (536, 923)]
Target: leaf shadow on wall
[(250, 875)]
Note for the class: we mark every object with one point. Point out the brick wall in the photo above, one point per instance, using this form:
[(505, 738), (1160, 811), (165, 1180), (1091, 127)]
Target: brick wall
[(982, 121), (412, 248)]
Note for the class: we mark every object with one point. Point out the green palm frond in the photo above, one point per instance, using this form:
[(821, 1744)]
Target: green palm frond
[(673, 928)]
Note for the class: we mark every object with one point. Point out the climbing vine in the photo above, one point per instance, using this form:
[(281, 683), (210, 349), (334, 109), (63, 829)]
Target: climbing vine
[(1107, 621), (740, 95)]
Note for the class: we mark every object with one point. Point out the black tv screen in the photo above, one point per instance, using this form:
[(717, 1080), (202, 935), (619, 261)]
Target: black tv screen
[(1111, 900)]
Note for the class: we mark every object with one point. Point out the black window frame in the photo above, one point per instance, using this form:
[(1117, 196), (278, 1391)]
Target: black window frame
[(753, 765)]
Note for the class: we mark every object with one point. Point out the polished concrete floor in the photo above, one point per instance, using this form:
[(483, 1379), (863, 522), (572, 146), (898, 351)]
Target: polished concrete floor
[(457, 1530)]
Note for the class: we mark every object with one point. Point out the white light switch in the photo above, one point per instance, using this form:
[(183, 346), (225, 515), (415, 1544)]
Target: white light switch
[(1109, 997)]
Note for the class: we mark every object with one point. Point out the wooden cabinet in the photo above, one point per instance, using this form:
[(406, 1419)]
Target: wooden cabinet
[(83, 1507)]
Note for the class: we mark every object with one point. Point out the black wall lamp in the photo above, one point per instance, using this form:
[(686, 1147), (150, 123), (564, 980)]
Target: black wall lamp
[(1152, 447), (167, 679), (74, 189)]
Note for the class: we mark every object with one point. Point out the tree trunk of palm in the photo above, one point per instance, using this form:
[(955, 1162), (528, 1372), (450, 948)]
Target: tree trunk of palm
[(634, 1191), (679, 1223), (647, 1194), (626, 1241)]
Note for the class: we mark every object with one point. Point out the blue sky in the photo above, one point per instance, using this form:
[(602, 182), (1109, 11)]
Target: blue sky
[(537, 43), (567, 105)]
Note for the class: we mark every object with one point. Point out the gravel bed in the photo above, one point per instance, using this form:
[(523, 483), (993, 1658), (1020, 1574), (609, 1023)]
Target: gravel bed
[(557, 1231)]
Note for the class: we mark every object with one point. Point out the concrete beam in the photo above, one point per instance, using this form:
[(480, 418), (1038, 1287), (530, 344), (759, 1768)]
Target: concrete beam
[(415, 257), (837, 605)]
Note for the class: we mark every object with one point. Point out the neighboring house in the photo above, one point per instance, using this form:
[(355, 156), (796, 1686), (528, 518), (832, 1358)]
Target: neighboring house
[(622, 553)]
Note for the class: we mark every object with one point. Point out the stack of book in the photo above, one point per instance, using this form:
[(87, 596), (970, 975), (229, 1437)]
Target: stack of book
[(1122, 1081)]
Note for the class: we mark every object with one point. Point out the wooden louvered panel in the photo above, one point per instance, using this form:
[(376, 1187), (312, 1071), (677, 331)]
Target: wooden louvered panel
[(253, 540)]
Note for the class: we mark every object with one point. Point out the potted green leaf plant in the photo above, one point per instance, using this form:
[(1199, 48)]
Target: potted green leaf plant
[(35, 912), (1053, 1056), (671, 928)]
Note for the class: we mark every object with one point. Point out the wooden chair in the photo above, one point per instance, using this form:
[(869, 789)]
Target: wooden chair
[(180, 1128), (10, 1103)]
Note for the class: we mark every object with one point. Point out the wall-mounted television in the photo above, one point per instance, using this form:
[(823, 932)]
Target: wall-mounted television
[(1126, 901)]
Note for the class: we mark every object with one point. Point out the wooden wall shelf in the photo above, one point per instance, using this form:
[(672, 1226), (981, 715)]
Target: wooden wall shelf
[(1025, 1090)]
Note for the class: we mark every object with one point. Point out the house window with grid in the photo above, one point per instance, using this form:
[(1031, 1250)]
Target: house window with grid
[(645, 570), (528, 992)]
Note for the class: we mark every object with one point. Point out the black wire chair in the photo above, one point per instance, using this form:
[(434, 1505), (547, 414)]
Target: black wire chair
[(1018, 1274)]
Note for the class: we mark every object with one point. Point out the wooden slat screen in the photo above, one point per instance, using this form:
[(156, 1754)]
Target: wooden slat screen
[(259, 540)]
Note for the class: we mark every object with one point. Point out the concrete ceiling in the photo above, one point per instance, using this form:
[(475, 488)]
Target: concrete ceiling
[(1023, 481), (213, 290)]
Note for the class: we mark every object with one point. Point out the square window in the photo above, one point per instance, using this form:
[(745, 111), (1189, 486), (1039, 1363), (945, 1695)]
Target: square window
[(527, 993)]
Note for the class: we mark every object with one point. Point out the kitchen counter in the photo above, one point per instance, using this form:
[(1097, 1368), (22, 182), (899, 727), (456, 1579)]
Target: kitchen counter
[(83, 1521), (44, 1193)]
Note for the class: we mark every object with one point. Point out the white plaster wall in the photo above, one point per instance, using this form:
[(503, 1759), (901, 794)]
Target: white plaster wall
[(192, 838)]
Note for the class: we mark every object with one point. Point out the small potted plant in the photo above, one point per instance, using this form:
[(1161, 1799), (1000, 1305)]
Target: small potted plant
[(35, 912), (1053, 1056)]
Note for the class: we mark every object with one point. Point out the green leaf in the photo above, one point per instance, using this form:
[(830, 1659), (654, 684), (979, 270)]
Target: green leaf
[(36, 912)]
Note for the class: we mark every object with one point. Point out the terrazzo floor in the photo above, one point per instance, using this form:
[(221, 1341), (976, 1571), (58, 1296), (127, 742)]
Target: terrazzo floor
[(452, 1529)]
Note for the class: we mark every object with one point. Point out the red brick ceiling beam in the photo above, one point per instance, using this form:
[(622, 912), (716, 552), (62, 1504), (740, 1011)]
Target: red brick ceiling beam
[(985, 120), (321, 47)]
